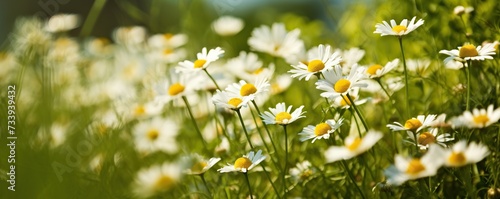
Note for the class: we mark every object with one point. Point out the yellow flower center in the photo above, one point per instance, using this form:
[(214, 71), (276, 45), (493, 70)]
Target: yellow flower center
[(426, 138), (481, 119), (153, 134), (199, 63), (235, 101), (168, 36), (468, 50), (354, 145), (242, 163), (413, 124), (164, 183), (198, 167), (247, 90), (321, 129), (315, 65), (168, 51), (399, 28), (306, 174), (175, 89), (342, 85), (415, 167), (258, 71), (280, 117), (345, 100), (457, 158), (372, 70), (139, 110)]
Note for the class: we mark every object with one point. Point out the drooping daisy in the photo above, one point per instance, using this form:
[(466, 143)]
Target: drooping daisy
[(319, 60), (62, 22), (320, 131), (405, 169), (248, 90), (281, 114), (229, 100), (204, 59), (377, 70), (156, 179), (403, 28), (425, 139), (470, 52), (478, 118), (227, 25), (354, 146), (154, 135), (413, 124), (276, 40), (245, 163), (198, 165), (336, 84), (461, 154)]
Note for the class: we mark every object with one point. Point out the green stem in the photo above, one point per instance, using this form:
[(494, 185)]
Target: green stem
[(265, 126), (270, 180), (194, 122), (408, 111), (248, 183), (415, 139), (353, 105), (212, 78), (205, 183), (286, 162), (467, 70), (92, 17), (351, 176), (263, 140), (244, 128)]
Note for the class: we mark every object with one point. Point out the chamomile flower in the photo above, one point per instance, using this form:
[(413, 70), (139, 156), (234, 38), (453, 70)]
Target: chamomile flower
[(413, 124), (154, 135), (156, 179), (335, 84), (460, 10), (320, 131), (403, 28), (227, 25), (198, 165), (167, 41), (302, 171), (470, 52), (204, 58), (319, 60), (62, 22), (249, 91), (229, 100), (350, 57), (245, 163), (478, 118), (377, 70), (130, 36), (276, 40), (425, 139), (248, 67), (418, 66), (405, 169), (353, 146), (461, 154), (281, 114), (178, 86)]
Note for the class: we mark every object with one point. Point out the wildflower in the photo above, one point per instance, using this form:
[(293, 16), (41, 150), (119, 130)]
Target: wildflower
[(249, 91), (470, 52), (418, 66), (227, 25), (405, 169), (461, 154), (198, 165), (460, 10), (175, 88), (397, 30), (229, 100), (413, 124), (336, 84), (276, 41), (320, 131), (248, 67), (350, 58), (425, 139), (478, 118), (245, 163), (130, 36), (204, 59), (354, 146), (302, 171), (167, 41), (344, 102), (280, 84), (319, 60), (281, 115), (62, 22), (156, 179), (377, 70), (154, 135)]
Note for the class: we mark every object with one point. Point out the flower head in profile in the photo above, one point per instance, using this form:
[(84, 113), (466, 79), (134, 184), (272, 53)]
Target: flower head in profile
[(377, 70), (204, 58), (462, 154), (276, 40), (478, 118), (394, 29), (198, 165), (319, 60), (245, 163), (227, 25), (248, 91), (156, 179), (320, 131), (353, 146), (282, 115), (425, 139), (470, 52), (413, 124), (335, 84)]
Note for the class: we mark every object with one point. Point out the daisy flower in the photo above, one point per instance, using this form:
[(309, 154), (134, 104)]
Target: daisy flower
[(319, 59), (199, 165), (229, 100), (461, 154), (245, 163), (227, 25), (470, 52), (248, 91), (178, 86), (320, 131), (403, 28), (248, 67), (157, 134), (167, 41), (405, 169), (350, 57), (62, 22), (203, 60), (478, 118), (302, 171), (425, 139), (281, 115), (156, 179), (377, 70), (344, 102), (336, 84), (130, 36), (460, 10), (275, 40), (354, 146), (418, 66), (413, 124)]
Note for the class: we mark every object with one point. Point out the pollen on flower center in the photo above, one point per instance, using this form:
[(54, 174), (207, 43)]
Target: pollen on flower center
[(399, 28), (242, 163), (283, 117), (342, 85), (235, 101), (168, 51), (415, 167), (139, 110), (481, 119), (168, 36), (372, 70), (199, 63), (153, 134), (198, 166), (355, 144), (321, 129), (468, 50), (345, 100), (175, 89), (247, 90), (315, 65), (413, 124), (457, 158), (164, 183), (426, 138)]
